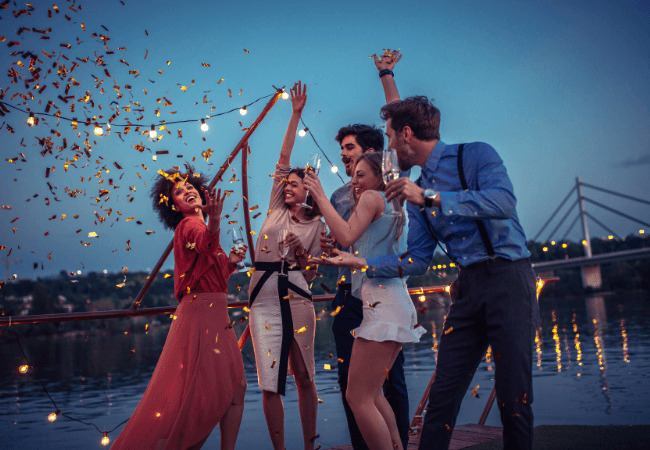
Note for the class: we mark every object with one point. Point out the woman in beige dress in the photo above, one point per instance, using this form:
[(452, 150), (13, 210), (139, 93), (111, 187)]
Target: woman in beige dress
[(282, 319)]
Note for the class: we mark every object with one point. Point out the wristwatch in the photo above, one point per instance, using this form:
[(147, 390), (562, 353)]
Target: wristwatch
[(429, 196)]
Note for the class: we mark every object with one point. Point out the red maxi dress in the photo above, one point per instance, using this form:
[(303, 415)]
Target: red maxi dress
[(200, 367)]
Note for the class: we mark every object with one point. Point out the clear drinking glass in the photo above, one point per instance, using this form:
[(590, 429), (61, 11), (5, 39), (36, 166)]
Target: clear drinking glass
[(238, 243), (283, 248), (312, 165), (390, 171)]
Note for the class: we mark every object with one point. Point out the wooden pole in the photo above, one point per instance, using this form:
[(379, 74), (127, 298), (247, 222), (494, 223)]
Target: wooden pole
[(242, 142)]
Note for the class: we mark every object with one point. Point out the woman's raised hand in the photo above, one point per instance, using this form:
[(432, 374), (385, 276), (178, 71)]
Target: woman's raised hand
[(298, 96), (312, 184), (213, 204)]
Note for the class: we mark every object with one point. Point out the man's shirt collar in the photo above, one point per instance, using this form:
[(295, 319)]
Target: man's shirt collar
[(434, 158)]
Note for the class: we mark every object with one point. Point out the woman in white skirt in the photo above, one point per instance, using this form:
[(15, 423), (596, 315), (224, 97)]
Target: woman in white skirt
[(389, 317), (282, 319)]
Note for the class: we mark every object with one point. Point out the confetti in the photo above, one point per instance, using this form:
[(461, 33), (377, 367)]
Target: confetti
[(448, 330), (266, 324), (336, 311), (301, 329), (372, 305)]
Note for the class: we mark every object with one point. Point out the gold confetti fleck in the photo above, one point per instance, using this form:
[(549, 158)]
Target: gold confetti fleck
[(448, 330), (301, 329), (336, 311), (475, 391), (266, 324)]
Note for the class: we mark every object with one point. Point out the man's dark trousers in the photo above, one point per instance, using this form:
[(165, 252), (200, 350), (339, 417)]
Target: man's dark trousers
[(349, 318), (494, 303)]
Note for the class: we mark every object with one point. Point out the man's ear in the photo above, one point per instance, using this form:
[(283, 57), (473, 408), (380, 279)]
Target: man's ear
[(407, 133), (368, 150)]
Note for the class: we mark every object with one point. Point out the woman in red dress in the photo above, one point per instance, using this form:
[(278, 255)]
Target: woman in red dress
[(199, 379)]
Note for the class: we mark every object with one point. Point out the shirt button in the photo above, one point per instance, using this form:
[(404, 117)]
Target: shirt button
[(451, 211), (475, 213)]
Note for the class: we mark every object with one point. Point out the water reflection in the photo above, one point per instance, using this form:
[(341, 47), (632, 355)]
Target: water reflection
[(592, 366)]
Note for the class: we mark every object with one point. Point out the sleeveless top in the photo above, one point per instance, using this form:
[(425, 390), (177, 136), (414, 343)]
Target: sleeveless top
[(378, 240)]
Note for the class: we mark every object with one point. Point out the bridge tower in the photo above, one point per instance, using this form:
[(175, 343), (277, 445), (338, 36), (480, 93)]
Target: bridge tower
[(591, 276)]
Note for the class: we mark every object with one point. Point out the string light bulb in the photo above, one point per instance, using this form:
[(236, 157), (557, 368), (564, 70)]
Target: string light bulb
[(204, 126), (153, 133), (99, 131), (243, 111), (422, 298), (105, 439), (52, 417), (31, 120), (23, 369), (302, 133), (335, 169), (285, 95)]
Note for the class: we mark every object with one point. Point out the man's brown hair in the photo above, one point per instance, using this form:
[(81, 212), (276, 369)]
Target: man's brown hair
[(416, 112)]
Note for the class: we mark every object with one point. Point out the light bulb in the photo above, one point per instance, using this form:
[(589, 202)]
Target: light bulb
[(99, 130), (23, 369), (204, 126), (243, 111), (302, 133), (335, 169), (153, 133), (422, 298), (105, 439), (285, 95), (52, 417), (31, 121)]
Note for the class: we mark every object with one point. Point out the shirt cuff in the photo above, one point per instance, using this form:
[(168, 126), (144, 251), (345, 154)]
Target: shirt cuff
[(449, 204)]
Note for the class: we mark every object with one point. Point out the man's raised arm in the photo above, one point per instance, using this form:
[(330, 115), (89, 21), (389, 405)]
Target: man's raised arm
[(385, 65)]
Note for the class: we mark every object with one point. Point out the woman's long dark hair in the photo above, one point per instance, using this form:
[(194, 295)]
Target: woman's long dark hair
[(374, 160), (315, 210), (161, 194)]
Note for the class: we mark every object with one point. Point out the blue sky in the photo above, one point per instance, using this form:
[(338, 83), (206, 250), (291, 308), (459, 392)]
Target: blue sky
[(560, 89)]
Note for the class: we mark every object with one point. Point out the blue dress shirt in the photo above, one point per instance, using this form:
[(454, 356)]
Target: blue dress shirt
[(454, 223), (341, 200)]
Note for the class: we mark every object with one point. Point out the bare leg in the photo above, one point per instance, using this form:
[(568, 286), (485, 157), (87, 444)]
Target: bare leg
[(386, 410), (231, 420), (368, 366), (307, 396), (274, 413)]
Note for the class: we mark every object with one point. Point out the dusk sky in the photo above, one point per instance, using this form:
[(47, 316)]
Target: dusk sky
[(560, 89)]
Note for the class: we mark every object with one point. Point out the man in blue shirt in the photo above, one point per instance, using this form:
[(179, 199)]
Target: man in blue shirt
[(354, 141), (494, 300)]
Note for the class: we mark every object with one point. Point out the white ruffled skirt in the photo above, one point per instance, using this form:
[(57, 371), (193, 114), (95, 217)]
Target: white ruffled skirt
[(388, 312)]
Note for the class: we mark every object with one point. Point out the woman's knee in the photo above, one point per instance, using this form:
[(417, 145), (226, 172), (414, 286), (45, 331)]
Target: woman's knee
[(240, 393)]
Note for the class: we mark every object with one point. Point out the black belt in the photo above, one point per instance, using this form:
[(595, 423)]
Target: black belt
[(284, 285), (492, 263)]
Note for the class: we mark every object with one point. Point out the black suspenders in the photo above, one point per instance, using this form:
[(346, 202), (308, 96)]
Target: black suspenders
[(479, 223)]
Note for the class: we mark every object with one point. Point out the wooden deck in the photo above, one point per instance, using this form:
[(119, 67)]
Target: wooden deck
[(464, 436)]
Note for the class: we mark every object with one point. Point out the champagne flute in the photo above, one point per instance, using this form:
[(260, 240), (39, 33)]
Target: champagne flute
[(283, 248), (313, 164), (238, 242), (390, 172)]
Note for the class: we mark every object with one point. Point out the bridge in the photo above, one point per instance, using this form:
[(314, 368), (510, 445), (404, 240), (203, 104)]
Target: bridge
[(589, 264)]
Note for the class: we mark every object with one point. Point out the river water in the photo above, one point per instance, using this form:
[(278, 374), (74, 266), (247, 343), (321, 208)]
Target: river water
[(591, 367)]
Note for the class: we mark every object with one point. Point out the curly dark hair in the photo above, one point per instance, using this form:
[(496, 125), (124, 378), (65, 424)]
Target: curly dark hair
[(161, 194), (418, 113), (315, 210), (367, 136)]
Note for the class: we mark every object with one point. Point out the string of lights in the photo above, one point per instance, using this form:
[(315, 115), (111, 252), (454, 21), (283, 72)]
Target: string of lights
[(24, 368), (302, 132), (32, 120)]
